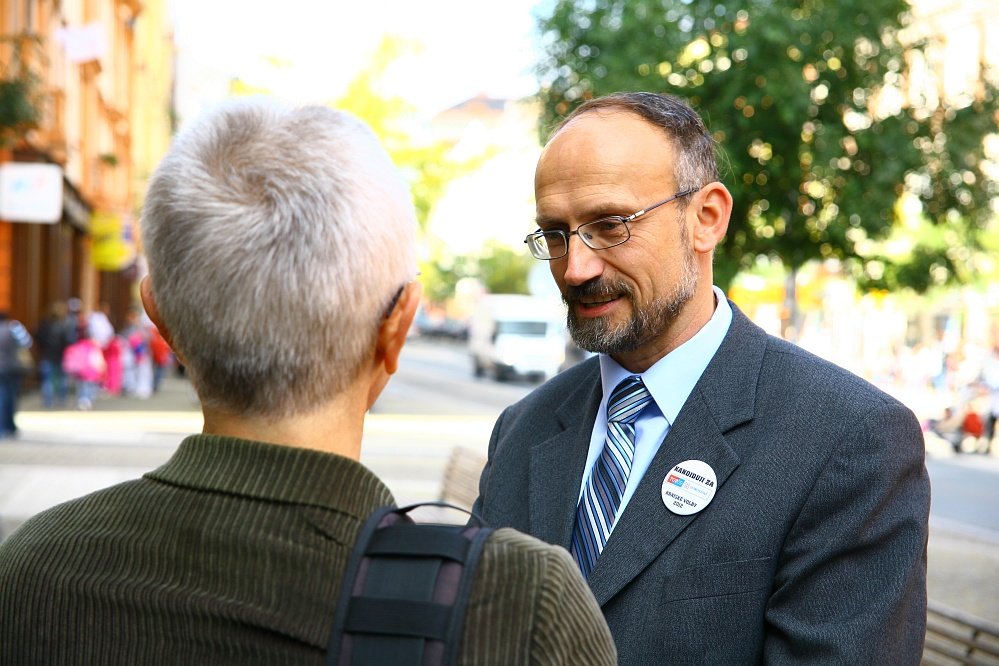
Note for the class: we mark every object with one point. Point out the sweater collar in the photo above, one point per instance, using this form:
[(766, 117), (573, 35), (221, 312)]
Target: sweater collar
[(274, 473)]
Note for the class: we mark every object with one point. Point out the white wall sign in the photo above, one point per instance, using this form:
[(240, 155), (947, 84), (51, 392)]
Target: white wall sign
[(30, 192)]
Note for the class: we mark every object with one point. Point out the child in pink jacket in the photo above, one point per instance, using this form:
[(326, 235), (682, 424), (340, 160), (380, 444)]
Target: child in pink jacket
[(83, 361)]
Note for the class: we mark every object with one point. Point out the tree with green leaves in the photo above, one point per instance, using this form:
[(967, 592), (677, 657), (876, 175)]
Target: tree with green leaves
[(819, 118), (429, 166), (21, 95), (498, 268), (503, 270)]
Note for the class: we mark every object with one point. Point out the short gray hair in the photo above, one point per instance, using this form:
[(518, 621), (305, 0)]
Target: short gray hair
[(696, 162), (276, 239)]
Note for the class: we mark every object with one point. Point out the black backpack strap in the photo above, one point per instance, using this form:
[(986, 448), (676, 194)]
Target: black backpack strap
[(405, 591), (478, 536)]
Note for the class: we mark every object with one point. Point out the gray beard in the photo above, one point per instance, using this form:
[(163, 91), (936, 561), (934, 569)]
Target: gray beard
[(600, 336)]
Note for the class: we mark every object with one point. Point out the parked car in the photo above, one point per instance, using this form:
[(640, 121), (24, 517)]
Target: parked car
[(440, 327), (512, 336)]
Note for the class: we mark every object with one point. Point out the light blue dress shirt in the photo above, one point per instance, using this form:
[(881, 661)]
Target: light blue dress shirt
[(669, 381)]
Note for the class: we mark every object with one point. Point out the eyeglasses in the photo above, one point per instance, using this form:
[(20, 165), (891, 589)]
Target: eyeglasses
[(394, 302), (397, 296), (602, 234)]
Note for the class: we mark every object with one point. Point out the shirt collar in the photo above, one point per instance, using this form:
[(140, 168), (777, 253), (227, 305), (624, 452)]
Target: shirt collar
[(671, 379)]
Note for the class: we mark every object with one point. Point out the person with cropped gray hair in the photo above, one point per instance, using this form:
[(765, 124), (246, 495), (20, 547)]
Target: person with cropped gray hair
[(259, 245), (281, 247)]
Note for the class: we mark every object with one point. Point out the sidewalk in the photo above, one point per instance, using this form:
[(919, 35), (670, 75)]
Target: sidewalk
[(61, 454), (175, 394)]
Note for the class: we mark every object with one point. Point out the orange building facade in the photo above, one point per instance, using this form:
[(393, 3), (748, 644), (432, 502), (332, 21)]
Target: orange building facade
[(97, 79)]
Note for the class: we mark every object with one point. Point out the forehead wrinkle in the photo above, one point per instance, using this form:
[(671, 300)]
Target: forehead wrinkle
[(601, 165), (598, 193), (624, 143), (582, 205)]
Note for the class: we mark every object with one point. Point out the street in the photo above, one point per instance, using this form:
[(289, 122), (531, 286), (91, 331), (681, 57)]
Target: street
[(965, 492), (435, 377), (432, 405)]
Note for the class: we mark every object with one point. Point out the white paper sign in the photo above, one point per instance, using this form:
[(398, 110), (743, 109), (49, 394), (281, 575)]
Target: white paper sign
[(84, 43), (30, 192)]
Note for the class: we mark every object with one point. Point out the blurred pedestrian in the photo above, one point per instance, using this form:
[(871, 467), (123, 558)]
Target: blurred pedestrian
[(76, 319), (950, 427), (103, 333), (84, 363), (15, 343), (162, 356), (135, 336), (99, 325), (281, 248), (990, 379), (117, 356), (52, 337)]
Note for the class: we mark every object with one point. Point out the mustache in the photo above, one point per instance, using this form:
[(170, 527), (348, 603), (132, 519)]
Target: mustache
[(594, 288)]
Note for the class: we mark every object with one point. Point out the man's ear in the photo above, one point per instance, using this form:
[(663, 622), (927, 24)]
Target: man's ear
[(395, 327), (149, 303), (712, 206), (391, 338)]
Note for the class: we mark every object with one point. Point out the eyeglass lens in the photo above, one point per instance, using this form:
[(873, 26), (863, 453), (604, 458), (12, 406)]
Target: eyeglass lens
[(606, 232), (599, 234)]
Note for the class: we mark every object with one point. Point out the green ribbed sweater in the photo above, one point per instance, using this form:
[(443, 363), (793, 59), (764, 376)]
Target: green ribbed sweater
[(232, 553)]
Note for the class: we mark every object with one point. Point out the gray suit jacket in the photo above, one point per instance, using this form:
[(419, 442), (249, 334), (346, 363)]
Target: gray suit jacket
[(813, 548)]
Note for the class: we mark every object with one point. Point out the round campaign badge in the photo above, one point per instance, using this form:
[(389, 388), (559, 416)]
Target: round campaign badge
[(689, 487)]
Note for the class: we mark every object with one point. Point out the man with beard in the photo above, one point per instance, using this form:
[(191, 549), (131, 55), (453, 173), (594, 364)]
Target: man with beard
[(730, 497)]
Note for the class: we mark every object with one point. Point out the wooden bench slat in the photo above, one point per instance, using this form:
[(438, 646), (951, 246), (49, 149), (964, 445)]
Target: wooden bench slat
[(985, 626), (970, 645), (937, 646), (460, 485), (960, 633), (960, 637)]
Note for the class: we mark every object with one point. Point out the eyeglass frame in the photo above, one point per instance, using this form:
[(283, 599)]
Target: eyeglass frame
[(398, 294), (623, 219)]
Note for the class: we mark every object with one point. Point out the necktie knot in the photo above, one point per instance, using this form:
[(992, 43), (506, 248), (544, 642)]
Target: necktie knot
[(628, 400)]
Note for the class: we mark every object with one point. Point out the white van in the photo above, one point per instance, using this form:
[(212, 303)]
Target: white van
[(511, 335)]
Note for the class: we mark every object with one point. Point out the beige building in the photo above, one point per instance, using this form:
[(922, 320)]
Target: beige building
[(97, 75)]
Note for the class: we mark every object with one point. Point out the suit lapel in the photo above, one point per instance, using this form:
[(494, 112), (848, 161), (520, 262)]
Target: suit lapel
[(647, 527), (557, 463), (724, 397)]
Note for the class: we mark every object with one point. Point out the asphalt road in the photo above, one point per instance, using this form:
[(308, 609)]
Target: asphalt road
[(435, 377), (966, 492)]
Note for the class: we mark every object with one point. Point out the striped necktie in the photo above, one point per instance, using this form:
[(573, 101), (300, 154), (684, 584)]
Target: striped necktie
[(602, 496)]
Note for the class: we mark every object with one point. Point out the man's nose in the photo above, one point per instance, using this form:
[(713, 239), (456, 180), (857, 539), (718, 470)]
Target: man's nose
[(582, 263)]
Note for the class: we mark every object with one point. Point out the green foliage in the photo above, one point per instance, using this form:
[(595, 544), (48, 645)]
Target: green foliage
[(15, 103), (806, 102), (241, 88), (20, 97), (498, 268), (921, 255), (503, 270), (428, 167), (440, 276)]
